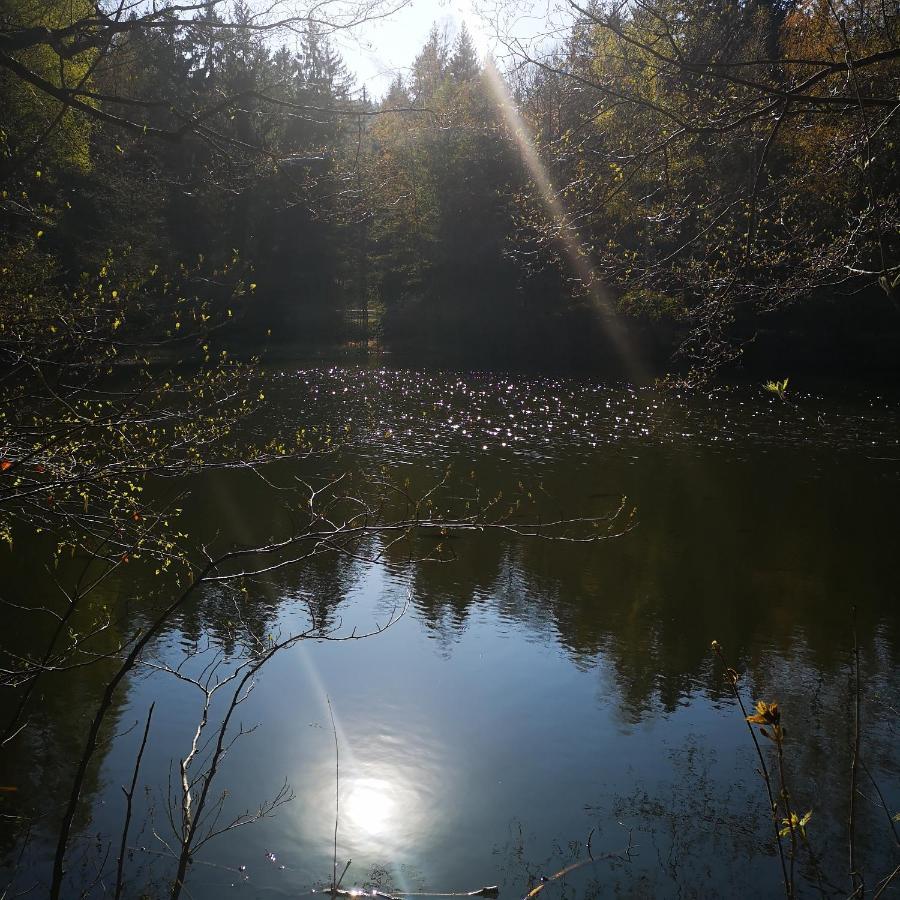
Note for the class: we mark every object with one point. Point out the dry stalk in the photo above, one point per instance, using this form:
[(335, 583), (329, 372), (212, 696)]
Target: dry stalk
[(731, 676)]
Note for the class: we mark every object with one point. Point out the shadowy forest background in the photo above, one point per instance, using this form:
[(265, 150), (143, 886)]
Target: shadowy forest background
[(711, 180)]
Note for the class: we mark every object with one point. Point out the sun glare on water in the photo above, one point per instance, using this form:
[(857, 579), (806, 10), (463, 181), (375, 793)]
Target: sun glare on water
[(371, 806)]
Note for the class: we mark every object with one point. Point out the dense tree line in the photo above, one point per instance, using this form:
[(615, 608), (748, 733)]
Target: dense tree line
[(700, 166), (721, 161)]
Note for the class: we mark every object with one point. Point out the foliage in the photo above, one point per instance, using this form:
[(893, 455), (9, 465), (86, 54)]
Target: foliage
[(741, 156), (778, 388)]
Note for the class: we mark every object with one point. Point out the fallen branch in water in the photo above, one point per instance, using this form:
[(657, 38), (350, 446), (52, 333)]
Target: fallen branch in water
[(624, 856), (488, 891)]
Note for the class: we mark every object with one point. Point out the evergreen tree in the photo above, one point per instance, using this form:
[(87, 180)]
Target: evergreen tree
[(463, 64), (429, 69)]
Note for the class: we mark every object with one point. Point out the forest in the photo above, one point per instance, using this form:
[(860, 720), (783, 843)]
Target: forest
[(486, 479), (708, 177)]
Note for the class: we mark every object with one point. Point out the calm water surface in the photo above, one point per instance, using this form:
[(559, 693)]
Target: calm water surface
[(534, 693)]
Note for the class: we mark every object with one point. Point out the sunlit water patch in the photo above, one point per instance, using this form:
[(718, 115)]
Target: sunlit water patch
[(409, 412)]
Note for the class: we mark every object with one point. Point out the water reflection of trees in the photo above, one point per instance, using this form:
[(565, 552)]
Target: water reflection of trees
[(35, 763), (753, 553), (315, 595), (772, 574), (759, 543), (753, 568)]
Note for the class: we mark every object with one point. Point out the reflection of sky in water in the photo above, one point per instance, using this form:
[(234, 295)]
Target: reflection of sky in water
[(395, 771), (533, 692), (372, 806), (392, 771), (438, 754), (456, 756)]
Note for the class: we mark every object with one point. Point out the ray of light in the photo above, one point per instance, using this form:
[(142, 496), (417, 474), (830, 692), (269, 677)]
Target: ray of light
[(369, 804), (575, 248)]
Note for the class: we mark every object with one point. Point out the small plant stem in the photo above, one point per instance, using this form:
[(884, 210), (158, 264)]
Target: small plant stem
[(346, 866), (859, 888), (884, 805), (886, 883), (731, 678), (786, 804), (337, 795)]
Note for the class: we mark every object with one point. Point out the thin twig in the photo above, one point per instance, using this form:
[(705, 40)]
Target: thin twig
[(625, 856), (129, 795), (337, 795), (884, 805), (856, 878), (886, 883)]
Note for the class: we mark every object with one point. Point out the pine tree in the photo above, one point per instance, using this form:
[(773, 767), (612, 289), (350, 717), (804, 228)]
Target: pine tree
[(397, 95), (430, 67), (464, 61)]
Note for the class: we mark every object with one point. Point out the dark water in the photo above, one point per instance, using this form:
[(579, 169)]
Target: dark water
[(534, 693)]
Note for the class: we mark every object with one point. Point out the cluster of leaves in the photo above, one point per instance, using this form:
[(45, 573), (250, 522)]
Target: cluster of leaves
[(790, 826), (95, 398), (778, 388)]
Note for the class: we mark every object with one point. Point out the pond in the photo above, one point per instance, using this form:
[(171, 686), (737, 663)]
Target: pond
[(531, 697)]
